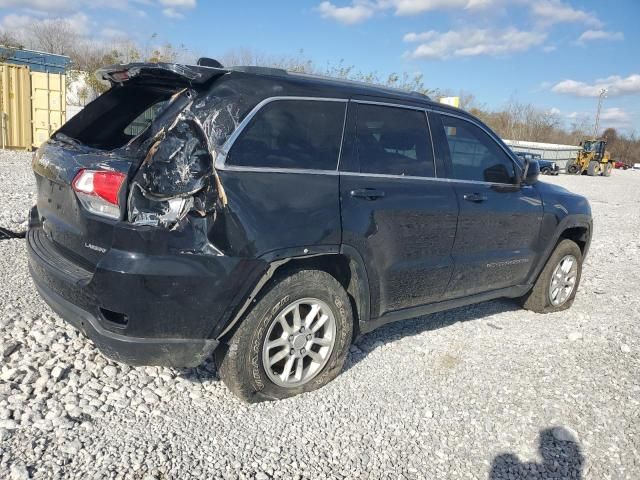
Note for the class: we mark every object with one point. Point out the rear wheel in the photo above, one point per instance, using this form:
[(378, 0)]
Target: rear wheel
[(294, 340), (558, 282), (572, 169), (607, 170), (546, 171), (593, 169)]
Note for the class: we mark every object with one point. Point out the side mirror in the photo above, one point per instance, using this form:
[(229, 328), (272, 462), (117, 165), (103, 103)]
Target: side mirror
[(530, 173)]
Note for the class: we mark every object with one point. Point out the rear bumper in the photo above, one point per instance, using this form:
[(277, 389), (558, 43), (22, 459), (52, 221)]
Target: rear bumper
[(157, 307), (170, 352)]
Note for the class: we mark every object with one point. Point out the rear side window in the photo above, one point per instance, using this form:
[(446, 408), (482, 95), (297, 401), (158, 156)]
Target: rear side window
[(301, 134), (393, 141), (474, 154)]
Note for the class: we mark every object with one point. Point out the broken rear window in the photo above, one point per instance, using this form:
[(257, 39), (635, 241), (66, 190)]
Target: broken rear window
[(117, 116)]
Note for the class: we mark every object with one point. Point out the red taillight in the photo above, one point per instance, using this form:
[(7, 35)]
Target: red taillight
[(103, 184), (99, 191)]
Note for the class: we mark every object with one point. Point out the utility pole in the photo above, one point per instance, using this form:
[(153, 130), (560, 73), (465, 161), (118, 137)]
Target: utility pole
[(603, 94)]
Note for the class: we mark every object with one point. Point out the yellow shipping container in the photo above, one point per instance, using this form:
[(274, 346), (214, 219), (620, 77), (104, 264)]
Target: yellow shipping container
[(48, 104), (15, 107)]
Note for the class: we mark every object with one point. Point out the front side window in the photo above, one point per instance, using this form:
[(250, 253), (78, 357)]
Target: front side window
[(300, 134), (393, 141), (475, 155)]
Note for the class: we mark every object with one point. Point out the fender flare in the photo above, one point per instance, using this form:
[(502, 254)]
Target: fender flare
[(277, 258), (571, 221)]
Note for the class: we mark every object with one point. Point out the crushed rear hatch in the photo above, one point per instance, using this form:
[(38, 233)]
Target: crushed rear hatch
[(155, 129)]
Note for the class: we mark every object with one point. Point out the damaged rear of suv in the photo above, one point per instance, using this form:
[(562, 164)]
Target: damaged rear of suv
[(120, 237), (135, 239)]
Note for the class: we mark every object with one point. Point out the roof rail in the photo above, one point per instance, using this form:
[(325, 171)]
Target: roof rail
[(258, 70), (420, 94)]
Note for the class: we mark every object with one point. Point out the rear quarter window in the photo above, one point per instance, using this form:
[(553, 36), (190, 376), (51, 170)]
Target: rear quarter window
[(296, 134)]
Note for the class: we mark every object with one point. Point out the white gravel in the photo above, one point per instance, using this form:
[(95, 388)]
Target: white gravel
[(18, 189), (489, 391)]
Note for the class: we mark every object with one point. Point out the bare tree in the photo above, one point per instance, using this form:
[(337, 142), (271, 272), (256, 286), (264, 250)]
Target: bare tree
[(53, 36)]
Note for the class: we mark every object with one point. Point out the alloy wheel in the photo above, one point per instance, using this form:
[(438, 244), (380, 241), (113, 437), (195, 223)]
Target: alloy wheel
[(299, 342), (563, 280)]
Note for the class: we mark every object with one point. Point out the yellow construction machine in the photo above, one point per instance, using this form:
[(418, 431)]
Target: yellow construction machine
[(592, 159)]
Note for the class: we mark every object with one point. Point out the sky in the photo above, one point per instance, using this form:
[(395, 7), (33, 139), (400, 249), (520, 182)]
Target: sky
[(555, 54)]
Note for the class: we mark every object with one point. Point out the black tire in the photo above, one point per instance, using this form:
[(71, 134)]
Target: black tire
[(593, 169), (572, 169), (537, 300), (240, 363), (607, 170), (545, 171)]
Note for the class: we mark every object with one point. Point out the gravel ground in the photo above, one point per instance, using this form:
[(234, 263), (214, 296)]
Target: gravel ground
[(17, 189), (488, 391)]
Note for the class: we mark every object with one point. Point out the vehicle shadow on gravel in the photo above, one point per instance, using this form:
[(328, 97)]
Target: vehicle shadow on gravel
[(395, 331), (561, 458)]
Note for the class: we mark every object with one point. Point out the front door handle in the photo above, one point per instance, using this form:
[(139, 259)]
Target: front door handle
[(474, 197), (368, 193)]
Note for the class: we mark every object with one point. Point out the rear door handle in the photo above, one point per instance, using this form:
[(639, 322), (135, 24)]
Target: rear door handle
[(474, 197), (368, 193)]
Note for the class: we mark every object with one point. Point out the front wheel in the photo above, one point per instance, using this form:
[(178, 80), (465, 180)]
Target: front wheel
[(556, 287), (593, 169), (607, 170), (295, 339)]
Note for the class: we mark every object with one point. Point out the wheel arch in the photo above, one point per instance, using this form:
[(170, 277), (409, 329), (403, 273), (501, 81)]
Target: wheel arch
[(578, 228), (345, 265)]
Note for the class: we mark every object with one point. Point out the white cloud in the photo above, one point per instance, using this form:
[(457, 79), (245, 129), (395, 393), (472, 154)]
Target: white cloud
[(113, 33), (179, 3), (14, 22), (469, 43), (361, 10), (413, 7), (54, 6), (554, 111), (615, 115), (78, 23), (174, 8), (615, 84), (170, 8), (172, 13), (348, 15), (591, 35), (550, 12)]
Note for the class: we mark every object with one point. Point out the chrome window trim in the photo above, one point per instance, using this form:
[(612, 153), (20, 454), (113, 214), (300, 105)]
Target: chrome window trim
[(311, 171), (389, 104), (221, 154), (491, 135), (431, 179)]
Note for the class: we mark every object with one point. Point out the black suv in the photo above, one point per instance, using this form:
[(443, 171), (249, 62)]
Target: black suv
[(270, 217)]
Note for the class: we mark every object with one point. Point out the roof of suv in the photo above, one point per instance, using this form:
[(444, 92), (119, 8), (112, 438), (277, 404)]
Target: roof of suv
[(199, 74), (350, 86)]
